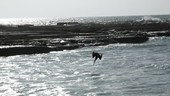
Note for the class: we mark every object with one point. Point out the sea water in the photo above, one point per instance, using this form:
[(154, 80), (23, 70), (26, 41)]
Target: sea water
[(106, 19), (125, 70)]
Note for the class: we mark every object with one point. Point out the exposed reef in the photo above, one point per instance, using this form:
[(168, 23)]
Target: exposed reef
[(43, 39)]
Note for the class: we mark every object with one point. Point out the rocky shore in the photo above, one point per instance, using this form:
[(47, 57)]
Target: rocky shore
[(43, 39)]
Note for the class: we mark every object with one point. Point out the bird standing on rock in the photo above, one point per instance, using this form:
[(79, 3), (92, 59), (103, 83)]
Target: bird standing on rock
[(96, 55)]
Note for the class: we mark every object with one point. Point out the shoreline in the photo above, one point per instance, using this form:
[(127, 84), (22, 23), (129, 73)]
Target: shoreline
[(61, 37)]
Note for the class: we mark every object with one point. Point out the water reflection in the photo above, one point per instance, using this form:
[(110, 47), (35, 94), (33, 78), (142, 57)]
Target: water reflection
[(25, 75), (125, 70)]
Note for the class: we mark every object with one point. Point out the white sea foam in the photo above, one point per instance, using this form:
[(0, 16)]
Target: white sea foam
[(125, 70)]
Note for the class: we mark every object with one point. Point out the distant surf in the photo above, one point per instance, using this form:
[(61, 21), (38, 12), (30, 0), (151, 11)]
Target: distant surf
[(54, 21)]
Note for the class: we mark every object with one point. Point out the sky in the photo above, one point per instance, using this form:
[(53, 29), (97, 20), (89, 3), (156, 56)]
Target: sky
[(81, 8)]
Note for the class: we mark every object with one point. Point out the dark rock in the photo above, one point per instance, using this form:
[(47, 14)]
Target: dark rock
[(60, 48), (163, 34), (158, 33), (131, 39), (58, 38), (23, 50)]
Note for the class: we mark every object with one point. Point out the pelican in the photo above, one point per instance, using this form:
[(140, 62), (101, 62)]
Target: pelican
[(96, 55)]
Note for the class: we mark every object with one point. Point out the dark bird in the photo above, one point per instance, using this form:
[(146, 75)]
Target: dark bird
[(96, 55)]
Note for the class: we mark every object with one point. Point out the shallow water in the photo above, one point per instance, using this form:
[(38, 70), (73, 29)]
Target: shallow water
[(125, 70)]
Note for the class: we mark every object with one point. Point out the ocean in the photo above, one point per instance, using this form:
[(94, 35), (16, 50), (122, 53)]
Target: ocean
[(106, 19), (125, 70)]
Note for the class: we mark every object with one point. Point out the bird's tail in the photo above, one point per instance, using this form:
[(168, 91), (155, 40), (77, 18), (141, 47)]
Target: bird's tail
[(100, 56)]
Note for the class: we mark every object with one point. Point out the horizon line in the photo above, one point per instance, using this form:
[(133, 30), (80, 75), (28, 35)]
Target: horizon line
[(80, 16)]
